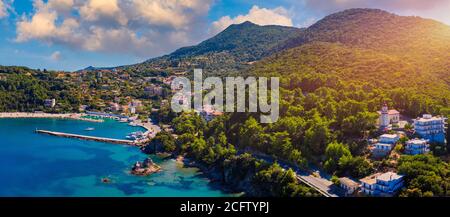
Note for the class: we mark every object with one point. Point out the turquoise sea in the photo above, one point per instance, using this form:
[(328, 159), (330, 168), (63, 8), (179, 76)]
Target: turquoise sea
[(40, 165)]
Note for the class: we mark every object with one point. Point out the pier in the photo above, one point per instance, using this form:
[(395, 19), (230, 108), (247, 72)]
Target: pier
[(90, 138)]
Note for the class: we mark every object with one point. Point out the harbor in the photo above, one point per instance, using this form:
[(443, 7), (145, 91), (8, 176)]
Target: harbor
[(71, 167), (90, 138), (137, 138)]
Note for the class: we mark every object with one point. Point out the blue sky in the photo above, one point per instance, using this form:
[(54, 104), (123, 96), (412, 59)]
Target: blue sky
[(73, 34)]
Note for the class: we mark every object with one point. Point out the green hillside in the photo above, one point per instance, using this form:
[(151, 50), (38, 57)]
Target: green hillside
[(230, 51), (376, 49)]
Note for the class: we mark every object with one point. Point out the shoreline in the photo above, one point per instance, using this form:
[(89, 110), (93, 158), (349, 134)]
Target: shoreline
[(72, 116), (208, 173), (152, 129)]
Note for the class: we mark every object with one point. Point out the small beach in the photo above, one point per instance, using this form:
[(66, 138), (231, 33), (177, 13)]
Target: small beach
[(73, 116)]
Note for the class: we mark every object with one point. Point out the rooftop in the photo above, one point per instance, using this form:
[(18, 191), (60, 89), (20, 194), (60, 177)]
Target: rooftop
[(389, 176), (383, 144), (348, 182), (372, 179), (417, 141), (428, 117), (391, 112), (389, 136)]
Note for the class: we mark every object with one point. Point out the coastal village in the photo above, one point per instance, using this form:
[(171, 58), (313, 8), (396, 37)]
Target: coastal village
[(398, 134)]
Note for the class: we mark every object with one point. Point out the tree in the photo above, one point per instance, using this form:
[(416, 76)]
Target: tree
[(163, 141), (357, 167), (317, 135), (251, 134), (333, 154), (425, 175)]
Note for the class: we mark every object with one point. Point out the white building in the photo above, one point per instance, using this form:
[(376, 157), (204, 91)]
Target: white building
[(388, 117), (383, 148), (133, 110), (348, 185), (153, 90), (417, 146), (385, 144), (114, 107), (430, 128), (389, 138), (385, 184), (50, 103)]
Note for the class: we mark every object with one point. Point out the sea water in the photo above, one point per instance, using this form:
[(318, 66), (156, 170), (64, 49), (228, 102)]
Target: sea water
[(34, 164)]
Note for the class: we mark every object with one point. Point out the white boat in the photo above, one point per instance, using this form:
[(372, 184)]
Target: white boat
[(135, 135), (89, 129)]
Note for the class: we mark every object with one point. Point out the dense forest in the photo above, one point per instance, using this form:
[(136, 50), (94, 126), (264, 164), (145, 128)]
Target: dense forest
[(335, 75), (24, 89), (229, 52), (209, 146)]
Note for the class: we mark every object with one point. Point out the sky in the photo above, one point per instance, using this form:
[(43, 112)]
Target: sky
[(73, 34)]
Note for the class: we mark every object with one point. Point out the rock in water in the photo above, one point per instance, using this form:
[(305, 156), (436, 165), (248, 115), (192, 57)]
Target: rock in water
[(145, 168)]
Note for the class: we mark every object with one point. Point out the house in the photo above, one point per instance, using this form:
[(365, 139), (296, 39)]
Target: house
[(124, 76), (50, 103), (368, 184), (385, 144), (417, 146), (136, 103), (114, 107), (382, 149), (169, 80), (389, 183), (133, 110), (83, 108), (388, 117), (382, 184), (209, 112), (153, 90), (348, 185), (430, 128)]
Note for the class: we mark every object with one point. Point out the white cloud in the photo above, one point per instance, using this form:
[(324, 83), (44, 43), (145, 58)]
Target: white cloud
[(42, 26), (61, 5), (176, 13), (141, 27), (261, 16), (56, 56), (3, 9), (95, 10)]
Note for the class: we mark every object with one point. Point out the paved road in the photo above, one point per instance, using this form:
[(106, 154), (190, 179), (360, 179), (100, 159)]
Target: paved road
[(321, 184)]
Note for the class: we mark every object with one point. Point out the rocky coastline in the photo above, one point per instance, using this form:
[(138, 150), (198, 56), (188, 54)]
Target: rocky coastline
[(220, 177), (145, 168)]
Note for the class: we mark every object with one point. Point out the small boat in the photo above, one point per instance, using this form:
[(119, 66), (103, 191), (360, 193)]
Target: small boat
[(89, 129), (135, 135)]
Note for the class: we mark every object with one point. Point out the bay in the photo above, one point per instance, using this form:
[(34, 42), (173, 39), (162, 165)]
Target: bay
[(34, 165)]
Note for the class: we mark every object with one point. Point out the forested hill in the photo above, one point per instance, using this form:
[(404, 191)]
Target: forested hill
[(413, 39), (230, 51), (379, 30), (246, 41), (403, 60)]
